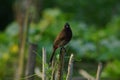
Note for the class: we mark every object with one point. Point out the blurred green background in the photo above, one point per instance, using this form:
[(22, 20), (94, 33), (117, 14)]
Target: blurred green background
[(96, 34)]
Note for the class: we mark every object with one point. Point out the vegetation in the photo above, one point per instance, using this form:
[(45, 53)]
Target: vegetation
[(96, 37)]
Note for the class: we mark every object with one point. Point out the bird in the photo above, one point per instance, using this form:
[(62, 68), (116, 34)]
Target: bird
[(62, 39)]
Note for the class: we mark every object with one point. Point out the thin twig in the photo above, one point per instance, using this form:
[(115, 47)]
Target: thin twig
[(43, 64), (86, 75), (22, 48), (70, 68), (38, 73), (99, 70), (53, 66), (53, 74)]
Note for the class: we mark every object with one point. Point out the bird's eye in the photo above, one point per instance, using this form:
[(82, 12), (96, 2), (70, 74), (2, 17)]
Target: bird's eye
[(67, 25)]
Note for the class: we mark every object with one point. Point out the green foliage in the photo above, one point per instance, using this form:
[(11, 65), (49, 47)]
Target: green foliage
[(97, 12), (88, 41), (112, 70), (8, 50)]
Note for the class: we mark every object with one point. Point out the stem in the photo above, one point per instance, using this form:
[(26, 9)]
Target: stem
[(70, 68), (61, 63), (31, 61), (43, 64), (99, 70)]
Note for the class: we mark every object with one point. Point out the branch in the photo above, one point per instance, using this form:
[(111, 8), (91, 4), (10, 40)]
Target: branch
[(86, 75), (43, 64), (99, 70), (70, 68), (38, 73), (61, 63), (23, 37), (31, 61)]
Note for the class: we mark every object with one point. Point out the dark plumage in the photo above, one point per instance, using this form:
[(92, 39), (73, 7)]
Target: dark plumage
[(62, 39)]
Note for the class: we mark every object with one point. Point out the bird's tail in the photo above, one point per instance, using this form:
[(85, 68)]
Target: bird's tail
[(51, 59)]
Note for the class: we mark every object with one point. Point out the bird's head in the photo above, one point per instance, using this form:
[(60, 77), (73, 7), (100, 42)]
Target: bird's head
[(67, 26)]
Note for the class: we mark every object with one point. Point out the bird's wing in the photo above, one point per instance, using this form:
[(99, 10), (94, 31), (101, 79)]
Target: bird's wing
[(59, 38)]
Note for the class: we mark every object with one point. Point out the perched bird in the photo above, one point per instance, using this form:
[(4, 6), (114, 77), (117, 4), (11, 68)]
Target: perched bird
[(62, 39)]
